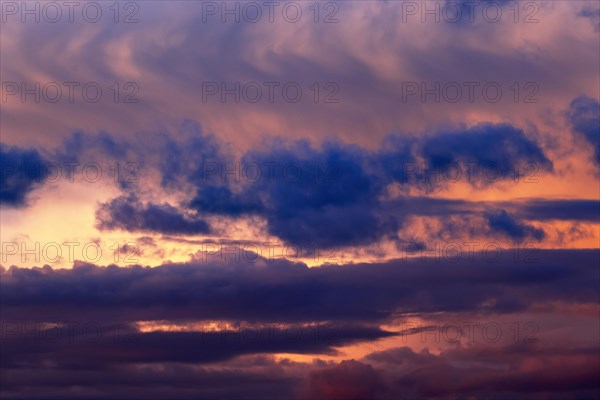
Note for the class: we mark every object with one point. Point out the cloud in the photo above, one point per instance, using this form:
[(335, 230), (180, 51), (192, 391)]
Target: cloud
[(348, 380), (584, 115), (526, 371), (593, 14), (23, 170), (153, 381), (130, 214), (500, 146), (91, 345), (558, 209), (501, 221), (334, 193), (283, 291), (364, 193), (324, 194)]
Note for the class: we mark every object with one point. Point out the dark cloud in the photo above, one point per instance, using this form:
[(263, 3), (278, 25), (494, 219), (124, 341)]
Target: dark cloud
[(130, 214), (593, 14), (349, 380), (499, 147), (90, 345), (283, 291), (332, 200), (561, 209), (523, 371), (584, 116), (491, 220), (348, 206), (186, 158), (527, 371), (122, 161), (220, 200), (532, 209), (22, 170), (501, 221), (81, 144), (333, 194), (265, 379)]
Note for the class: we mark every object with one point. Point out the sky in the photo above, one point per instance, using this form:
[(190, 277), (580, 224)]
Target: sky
[(300, 199)]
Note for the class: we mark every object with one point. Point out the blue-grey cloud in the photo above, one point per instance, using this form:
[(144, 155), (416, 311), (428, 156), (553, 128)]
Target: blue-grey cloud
[(344, 206), (22, 170), (501, 221), (129, 214), (584, 115), (283, 291)]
